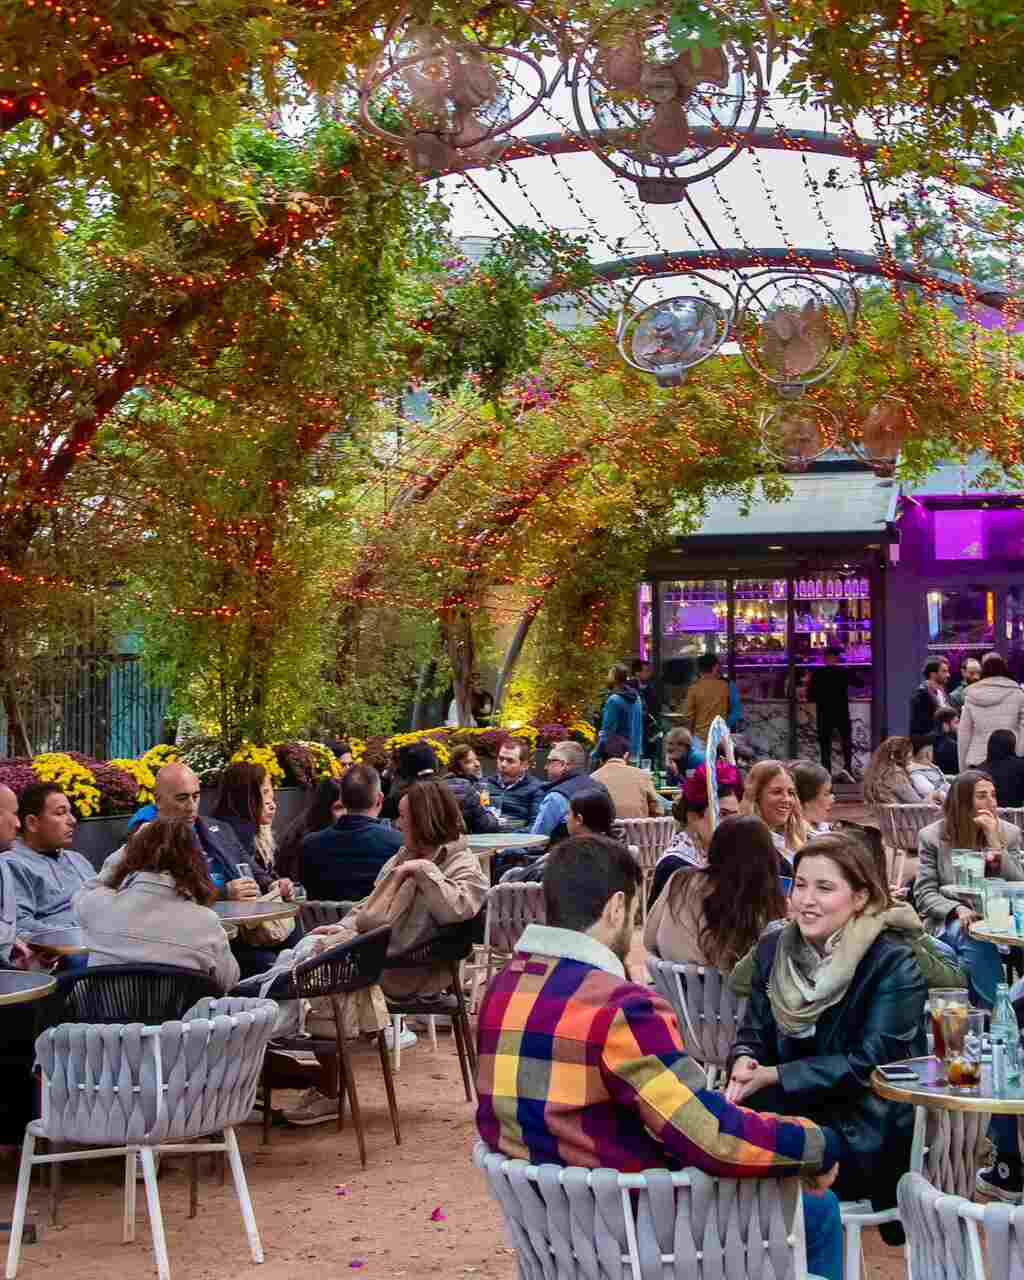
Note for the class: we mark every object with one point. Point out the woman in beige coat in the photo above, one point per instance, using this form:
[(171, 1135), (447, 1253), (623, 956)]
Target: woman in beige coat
[(993, 702), (156, 908)]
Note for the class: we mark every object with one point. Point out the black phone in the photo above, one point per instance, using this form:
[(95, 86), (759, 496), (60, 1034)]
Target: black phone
[(897, 1073)]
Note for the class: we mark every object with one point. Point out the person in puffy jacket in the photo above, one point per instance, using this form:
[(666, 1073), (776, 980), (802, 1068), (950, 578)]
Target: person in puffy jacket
[(464, 782), (994, 702)]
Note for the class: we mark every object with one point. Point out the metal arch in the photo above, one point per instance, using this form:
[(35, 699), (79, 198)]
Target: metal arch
[(812, 141), (847, 261)]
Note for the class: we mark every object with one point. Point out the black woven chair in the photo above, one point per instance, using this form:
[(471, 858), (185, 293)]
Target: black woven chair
[(115, 993), (316, 913), (353, 966), (447, 950)]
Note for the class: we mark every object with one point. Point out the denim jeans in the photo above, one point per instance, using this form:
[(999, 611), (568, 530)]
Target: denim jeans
[(824, 1231), (980, 959), (1003, 1132)]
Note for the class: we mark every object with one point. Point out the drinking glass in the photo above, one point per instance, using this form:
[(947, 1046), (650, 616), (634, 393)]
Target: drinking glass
[(645, 764), (299, 893), (996, 909), (974, 864), (244, 871), (938, 1001), (959, 868), (964, 1032), (1016, 896), (496, 802)]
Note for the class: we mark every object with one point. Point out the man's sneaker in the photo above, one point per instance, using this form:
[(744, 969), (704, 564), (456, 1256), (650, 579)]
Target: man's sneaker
[(314, 1108), (406, 1040), (1002, 1182)]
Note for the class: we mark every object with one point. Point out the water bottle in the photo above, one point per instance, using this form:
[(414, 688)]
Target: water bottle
[(1004, 1024), (999, 1080)]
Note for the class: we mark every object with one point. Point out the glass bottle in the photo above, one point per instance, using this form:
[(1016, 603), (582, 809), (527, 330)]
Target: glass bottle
[(1004, 1023)]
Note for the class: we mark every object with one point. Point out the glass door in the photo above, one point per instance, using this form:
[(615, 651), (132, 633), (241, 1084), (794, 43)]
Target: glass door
[(694, 621), (761, 661)]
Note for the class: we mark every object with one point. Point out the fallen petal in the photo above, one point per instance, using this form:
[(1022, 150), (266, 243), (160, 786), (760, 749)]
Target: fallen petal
[(439, 1215)]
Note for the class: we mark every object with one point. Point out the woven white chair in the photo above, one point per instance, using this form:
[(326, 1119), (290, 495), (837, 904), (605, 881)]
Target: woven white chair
[(944, 1236), (708, 1011), (509, 909), (651, 836), (131, 1090), (901, 824), (599, 1224)]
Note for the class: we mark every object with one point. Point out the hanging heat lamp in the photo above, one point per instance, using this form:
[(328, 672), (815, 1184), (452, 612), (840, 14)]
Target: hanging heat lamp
[(883, 433), (671, 336), (794, 328), (662, 119), (798, 434), (446, 99)]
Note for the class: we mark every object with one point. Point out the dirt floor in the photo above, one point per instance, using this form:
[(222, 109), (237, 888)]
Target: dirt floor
[(320, 1215)]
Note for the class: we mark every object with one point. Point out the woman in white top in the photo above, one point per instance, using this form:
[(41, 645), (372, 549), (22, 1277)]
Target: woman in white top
[(156, 908), (813, 785), (770, 795), (926, 777)]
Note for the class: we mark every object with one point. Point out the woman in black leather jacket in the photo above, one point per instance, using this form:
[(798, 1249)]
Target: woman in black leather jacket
[(837, 992)]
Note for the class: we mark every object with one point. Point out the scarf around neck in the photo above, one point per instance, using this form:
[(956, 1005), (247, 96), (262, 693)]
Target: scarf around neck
[(805, 982)]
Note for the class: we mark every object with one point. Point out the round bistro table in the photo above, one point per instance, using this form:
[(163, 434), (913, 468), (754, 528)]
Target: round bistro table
[(987, 932), (500, 842), (63, 942), (255, 911), (977, 1105), (19, 987)]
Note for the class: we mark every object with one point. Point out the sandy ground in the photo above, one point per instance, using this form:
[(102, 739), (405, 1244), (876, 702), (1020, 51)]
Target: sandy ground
[(381, 1226)]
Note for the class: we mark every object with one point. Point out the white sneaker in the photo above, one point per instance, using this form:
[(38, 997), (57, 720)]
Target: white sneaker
[(314, 1108), (406, 1040)]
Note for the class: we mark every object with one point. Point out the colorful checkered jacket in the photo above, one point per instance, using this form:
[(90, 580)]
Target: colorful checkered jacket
[(579, 1066)]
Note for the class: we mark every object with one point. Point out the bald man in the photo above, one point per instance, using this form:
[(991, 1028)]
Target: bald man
[(177, 796), (11, 948)]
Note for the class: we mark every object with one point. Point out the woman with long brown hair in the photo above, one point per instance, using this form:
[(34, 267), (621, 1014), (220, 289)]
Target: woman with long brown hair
[(837, 991), (156, 909), (770, 794), (970, 822), (714, 914), (887, 777)]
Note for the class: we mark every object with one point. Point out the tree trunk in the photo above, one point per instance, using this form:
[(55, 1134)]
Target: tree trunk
[(457, 630), (426, 679)]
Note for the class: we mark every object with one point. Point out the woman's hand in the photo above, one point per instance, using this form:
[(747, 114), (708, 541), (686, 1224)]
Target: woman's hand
[(966, 916), (242, 890), (284, 888), (415, 866), (745, 1070), (989, 825)]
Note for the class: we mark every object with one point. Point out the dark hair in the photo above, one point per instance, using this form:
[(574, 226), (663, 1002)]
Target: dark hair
[(359, 788), (240, 792), (168, 845), (707, 662), (994, 666), (520, 744), (855, 861), (318, 813), (958, 826), (833, 651), (595, 810), (945, 716), (618, 675), (684, 805), (1002, 744), (457, 759), (743, 892), (918, 741), (581, 874), (338, 746), (638, 665), (614, 747), (434, 815), (932, 665), (809, 778), (416, 758), (32, 800)]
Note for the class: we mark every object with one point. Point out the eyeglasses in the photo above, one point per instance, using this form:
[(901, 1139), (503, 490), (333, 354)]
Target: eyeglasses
[(555, 760)]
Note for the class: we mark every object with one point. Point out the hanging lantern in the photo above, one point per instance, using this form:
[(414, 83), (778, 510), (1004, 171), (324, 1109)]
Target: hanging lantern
[(671, 336), (638, 104), (445, 99), (794, 329), (883, 433), (798, 435)]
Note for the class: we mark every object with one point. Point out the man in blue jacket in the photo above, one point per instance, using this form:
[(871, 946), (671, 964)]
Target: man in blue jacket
[(623, 712), (341, 863)]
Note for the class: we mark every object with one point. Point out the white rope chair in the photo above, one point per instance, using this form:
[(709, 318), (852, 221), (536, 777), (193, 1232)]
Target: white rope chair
[(509, 909), (131, 1090), (599, 1224), (900, 825), (944, 1236), (651, 837), (708, 1011)]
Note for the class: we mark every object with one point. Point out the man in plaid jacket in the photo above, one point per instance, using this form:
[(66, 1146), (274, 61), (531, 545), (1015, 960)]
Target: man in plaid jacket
[(579, 1066)]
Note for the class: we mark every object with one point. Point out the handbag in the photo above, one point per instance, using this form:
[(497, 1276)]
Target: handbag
[(268, 933)]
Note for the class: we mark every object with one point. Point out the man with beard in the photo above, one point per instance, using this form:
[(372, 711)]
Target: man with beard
[(579, 1066)]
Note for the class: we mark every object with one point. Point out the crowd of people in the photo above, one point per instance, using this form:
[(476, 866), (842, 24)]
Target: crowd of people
[(759, 882)]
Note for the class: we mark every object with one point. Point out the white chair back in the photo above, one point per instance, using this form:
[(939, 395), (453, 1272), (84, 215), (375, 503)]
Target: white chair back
[(1016, 816), (510, 908), (708, 1011), (599, 1224), (650, 837), (944, 1234)]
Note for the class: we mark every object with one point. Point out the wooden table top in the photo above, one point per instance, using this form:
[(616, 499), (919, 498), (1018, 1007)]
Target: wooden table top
[(931, 1090)]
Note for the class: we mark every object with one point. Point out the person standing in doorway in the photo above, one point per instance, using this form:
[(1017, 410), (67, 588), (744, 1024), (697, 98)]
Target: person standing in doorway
[(706, 698), (829, 690), (929, 697)]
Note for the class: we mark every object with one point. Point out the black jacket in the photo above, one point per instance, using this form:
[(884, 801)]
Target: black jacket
[(478, 820), (519, 800), (923, 706), (342, 862), (1008, 776), (826, 1076), (947, 754)]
